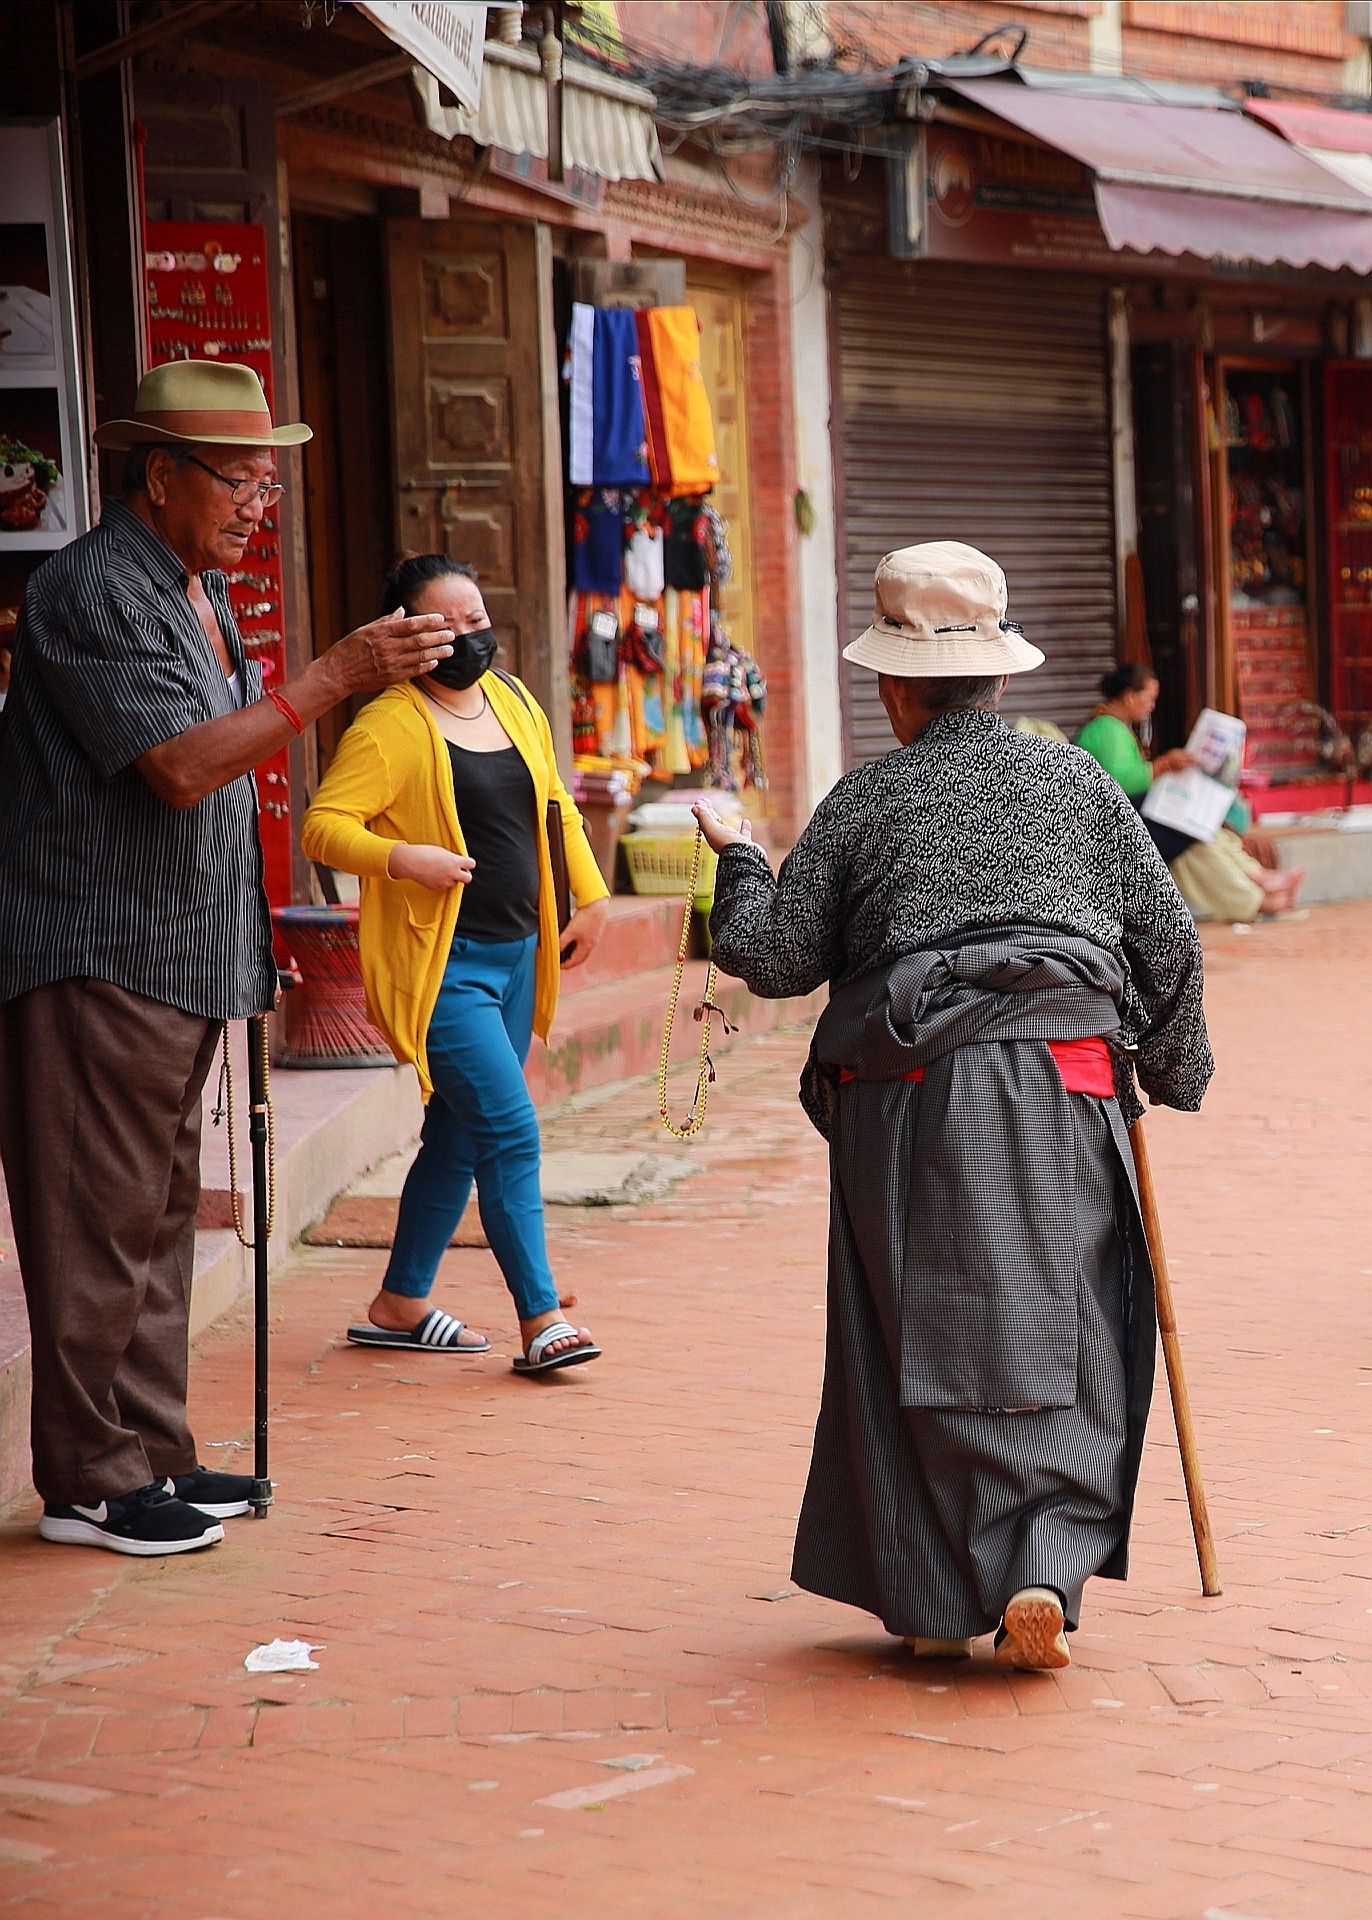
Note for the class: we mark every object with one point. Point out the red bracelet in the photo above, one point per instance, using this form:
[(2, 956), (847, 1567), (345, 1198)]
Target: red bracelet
[(283, 706)]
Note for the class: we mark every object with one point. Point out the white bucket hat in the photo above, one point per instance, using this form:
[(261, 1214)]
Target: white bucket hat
[(940, 613)]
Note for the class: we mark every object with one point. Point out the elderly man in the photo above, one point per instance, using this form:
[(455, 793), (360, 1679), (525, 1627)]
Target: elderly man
[(132, 926), (1000, 934)]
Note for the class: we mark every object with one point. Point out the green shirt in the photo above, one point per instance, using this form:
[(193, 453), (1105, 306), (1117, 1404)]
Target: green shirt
[(1113, 744)]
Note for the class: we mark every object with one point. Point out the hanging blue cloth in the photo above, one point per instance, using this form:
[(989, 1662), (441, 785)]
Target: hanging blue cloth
[(621, 447), (598, 542)]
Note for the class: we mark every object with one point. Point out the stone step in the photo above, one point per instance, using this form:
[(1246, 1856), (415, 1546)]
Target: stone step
[(1337, 858), (614, 1032)]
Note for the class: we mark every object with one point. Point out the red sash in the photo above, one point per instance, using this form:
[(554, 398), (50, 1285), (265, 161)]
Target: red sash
[(1085, 1067)]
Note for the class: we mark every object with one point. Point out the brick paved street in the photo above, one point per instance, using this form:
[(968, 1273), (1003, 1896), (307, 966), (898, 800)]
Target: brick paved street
[(519, 1586)]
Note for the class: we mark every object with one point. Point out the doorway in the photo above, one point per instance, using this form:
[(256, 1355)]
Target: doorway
[(718, 299), (1267, 666), (1165, 442), (341, 328)]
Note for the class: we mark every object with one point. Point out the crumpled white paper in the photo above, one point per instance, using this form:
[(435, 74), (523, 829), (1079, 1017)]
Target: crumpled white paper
[(284, 1656)]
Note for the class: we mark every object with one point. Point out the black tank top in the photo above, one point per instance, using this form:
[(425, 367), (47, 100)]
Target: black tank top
[(495, 800)]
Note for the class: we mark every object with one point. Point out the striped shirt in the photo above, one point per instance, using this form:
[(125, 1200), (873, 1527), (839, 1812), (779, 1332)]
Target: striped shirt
[(99, 878)]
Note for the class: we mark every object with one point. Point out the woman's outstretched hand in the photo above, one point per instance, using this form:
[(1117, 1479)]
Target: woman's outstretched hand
[(1177, 761), (717, 835), (581, 935), (432, 867)]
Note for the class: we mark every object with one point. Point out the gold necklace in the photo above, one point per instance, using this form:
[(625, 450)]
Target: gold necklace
[(443, 705)]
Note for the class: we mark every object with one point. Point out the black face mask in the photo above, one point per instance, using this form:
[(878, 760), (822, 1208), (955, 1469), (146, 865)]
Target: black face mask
[(471, 656)]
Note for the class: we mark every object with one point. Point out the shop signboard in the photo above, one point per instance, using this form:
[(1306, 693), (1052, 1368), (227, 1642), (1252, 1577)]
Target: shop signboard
[(994, 199), (997, 199), (44, 500), (208, 299), (448, 37)]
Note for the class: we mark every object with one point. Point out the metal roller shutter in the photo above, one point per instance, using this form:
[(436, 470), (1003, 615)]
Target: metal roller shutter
[(976, 407)]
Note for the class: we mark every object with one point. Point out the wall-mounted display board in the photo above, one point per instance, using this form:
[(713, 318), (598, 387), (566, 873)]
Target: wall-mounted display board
[(1262, 445), (44, 499), (208, 299), (1348, 478)]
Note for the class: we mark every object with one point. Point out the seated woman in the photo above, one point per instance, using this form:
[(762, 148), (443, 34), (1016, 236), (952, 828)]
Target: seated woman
[(438, 797), (1219, 879)]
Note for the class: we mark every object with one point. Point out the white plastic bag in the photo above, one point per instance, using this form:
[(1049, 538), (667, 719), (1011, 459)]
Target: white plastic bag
[(283, 1656)]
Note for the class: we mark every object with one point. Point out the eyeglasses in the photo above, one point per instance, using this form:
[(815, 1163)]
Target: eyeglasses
[(242, 492)]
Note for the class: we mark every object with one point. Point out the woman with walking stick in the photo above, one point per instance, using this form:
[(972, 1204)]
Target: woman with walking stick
[(1001, 937)]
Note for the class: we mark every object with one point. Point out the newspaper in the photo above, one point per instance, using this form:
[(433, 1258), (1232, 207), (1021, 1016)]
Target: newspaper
[(1195, 802), (1216, 745)]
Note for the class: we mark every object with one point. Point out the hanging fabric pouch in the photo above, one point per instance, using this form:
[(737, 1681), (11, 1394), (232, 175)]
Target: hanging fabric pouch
[(645, 643), (686, 562), (602, 649)]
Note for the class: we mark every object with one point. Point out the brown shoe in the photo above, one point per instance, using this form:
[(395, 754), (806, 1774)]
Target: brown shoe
[(1032, 1637), (926, 1649)]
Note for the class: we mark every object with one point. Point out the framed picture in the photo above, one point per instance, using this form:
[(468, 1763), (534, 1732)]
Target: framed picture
[(44, 498)]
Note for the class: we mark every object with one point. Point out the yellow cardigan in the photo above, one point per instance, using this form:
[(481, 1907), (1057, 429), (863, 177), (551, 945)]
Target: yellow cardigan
[(391, 780)]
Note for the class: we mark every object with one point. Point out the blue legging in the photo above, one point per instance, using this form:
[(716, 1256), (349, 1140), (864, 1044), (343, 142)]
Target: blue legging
[(480, 1122)]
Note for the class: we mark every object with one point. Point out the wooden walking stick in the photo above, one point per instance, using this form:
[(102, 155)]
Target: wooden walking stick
[(1176, 1377)]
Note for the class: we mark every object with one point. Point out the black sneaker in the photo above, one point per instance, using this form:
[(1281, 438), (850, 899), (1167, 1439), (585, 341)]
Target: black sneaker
[(148, 1521), (221, 1495)]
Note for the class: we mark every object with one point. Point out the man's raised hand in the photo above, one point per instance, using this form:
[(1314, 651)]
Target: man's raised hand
[(397, 647)]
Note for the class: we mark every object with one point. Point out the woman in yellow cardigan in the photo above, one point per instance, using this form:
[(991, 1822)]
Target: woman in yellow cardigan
[(437, 797)]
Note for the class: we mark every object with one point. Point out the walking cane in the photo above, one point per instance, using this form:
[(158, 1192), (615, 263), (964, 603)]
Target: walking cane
[(1176, 1377), (259, 1137), (263, 1149)]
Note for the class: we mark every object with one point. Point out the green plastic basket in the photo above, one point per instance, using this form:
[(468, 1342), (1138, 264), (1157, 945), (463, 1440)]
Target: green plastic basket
[(661, 863)]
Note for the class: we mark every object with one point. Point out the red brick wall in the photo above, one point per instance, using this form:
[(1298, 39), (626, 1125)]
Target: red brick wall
[(891, 30), (1219, 42), (1293, 43), (1310, 27), (703, 31), (771, 447)]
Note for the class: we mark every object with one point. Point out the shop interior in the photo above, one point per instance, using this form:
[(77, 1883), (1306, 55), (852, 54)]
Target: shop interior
[(1254, 486)]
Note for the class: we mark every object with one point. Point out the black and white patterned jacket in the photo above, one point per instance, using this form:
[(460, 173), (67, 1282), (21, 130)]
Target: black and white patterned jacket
[(974, 825)]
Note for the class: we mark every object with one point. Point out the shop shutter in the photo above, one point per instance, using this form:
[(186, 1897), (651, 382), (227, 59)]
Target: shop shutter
[(975, 405)]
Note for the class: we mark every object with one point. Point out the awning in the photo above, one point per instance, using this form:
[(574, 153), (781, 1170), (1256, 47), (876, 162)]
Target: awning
[(1193, 180), (608, 126), (1340, 141), (513, 113), (607, 123)]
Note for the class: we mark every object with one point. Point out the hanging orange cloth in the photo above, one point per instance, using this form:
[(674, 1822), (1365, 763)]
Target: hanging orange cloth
[(687, 423), (654, 426)]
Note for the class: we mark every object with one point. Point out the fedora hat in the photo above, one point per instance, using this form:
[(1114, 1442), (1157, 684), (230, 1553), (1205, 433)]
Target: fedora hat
[(940, 613), (200, 403)]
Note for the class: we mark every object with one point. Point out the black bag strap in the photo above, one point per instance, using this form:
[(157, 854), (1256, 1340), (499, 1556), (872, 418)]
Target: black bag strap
[(513, 685)]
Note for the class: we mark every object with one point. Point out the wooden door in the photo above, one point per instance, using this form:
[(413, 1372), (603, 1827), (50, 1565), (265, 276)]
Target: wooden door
[(469, 421), (719, 308)]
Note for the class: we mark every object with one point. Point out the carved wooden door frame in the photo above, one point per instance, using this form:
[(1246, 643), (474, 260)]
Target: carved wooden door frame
[(475, 429)]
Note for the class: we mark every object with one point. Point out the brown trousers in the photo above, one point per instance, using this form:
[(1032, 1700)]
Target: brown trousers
[(100, 1137)]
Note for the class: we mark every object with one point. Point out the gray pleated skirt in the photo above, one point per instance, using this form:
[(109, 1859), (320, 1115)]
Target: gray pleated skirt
[(933, 1519)]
